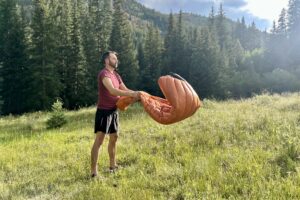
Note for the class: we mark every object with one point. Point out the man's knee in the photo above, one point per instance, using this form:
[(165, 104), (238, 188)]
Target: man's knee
[(99, 138), (113, 138)]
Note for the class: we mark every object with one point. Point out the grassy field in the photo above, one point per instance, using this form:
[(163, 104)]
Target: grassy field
[(247, 149)]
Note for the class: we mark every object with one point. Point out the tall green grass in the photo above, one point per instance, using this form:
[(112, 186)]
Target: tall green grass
[(247, 149)]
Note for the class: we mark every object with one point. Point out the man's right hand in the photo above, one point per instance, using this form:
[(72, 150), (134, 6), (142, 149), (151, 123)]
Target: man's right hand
[(136, 95)]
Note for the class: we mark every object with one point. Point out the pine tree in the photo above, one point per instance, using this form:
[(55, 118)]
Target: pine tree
[(91, 51), (294, 19), (97, 29), (13, 59), (293, 33), (274, 28), (205, 67), (76, 72), (277, 41), (169, 53), (153, 57), (241, 32), (191, 44), (63, 32), (281, 41), (243, 21), (44, 79), (282, 23), (121, 41), (175, 50), (272, 47), (211, 19), (238, 30), (254, 37), (180, 59), (222, 28), (100, 13), (105, 22)]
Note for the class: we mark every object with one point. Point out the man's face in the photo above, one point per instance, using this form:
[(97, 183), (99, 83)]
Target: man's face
[(113, 60)]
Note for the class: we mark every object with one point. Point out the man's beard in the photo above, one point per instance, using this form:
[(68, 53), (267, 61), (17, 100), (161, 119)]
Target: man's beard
[(113, 65)]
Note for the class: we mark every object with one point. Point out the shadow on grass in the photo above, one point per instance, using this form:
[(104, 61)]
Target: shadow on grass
[(16, 132), (35, 124), (34, 189)]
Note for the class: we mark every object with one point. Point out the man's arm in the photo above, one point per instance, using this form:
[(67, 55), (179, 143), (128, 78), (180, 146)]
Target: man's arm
[(123, 87), (118, 92)]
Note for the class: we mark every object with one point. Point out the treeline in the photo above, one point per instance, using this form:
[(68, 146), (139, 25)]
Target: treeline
[(51, 49)]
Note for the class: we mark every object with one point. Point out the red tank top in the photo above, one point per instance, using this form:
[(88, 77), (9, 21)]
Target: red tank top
[(105, 99)]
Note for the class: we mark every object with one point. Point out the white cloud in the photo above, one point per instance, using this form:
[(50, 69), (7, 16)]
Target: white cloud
[(265, 9)]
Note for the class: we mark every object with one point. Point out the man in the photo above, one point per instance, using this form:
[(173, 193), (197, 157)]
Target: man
[(110, 87)]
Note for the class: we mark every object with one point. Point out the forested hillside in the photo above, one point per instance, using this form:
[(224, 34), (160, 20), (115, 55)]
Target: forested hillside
[(50, 49)]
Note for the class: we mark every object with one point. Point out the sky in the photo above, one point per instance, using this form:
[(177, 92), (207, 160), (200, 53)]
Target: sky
[(262, 12)]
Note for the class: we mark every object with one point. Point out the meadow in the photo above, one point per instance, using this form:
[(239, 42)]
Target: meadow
[(234, 149)]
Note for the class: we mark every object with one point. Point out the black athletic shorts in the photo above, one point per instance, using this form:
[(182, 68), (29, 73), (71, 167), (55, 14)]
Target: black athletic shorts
[(107, 121)]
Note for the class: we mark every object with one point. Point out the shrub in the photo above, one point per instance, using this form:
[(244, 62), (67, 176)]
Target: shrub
[(57, 118)]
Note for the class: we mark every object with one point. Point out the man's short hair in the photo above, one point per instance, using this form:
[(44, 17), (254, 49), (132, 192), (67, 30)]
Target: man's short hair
[(106, 55)]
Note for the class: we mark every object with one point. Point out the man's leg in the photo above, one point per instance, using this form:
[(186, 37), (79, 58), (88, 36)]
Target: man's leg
[(112, 148), (95, 151)]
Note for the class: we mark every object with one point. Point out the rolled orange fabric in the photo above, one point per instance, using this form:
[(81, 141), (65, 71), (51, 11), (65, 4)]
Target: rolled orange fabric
[(124, 102), (181, 101)]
